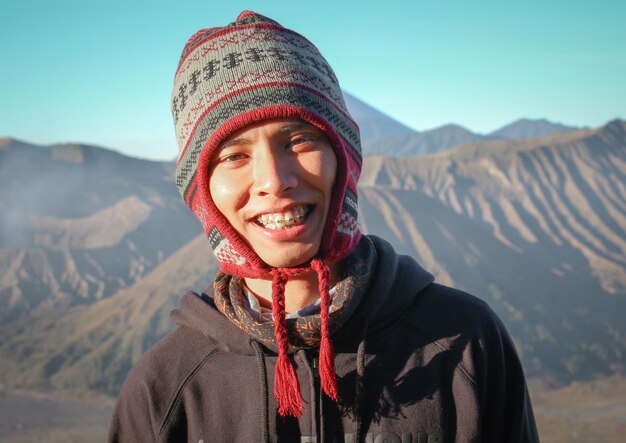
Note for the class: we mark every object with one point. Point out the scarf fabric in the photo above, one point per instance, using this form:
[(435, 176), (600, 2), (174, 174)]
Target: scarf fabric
[(305, 331), (263, 314)]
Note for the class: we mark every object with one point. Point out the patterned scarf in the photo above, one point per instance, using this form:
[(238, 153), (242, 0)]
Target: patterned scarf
[(304, 332), (301, 332)]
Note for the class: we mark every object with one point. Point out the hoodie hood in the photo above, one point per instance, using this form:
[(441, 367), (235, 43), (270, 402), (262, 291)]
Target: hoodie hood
[(384, 284)]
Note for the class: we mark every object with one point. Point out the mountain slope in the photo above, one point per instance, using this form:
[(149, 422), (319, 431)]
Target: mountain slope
[(373, 124), (533, 195), (93, 347), (79, 223)]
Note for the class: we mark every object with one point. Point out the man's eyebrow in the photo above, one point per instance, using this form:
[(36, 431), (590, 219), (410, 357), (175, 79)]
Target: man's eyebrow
[(294, 126), (284, 129), (234, 142)]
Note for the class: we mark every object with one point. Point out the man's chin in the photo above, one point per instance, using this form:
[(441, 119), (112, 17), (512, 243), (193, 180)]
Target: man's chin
[(288, 259)]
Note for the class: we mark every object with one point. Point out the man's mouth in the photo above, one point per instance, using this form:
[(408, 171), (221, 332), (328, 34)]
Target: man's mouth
[(283, 220)]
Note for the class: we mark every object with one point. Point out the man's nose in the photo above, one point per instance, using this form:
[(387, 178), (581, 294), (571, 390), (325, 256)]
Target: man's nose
[(273, 172)]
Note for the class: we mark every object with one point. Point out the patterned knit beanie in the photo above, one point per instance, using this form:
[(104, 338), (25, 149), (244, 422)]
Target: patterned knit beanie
[(250, 71)]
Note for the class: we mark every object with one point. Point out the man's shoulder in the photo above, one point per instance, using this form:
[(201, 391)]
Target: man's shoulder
[(444, 312), (452, 302), (161, 371), (155, 380), (461, 326), (174, 355)]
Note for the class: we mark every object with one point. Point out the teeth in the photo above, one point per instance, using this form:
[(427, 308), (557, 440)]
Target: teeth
[(283, 220)]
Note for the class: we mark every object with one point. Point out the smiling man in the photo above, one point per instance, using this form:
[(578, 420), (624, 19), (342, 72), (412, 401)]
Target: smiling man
[(354, 342), (273, 182)]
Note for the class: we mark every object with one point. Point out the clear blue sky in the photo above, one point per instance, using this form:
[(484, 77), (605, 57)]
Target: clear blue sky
[(101, 72)]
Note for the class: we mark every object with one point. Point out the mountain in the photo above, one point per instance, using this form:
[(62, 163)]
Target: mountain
[(373, 123), (525, 128), (421, 143), (535, 227), (381, 134)]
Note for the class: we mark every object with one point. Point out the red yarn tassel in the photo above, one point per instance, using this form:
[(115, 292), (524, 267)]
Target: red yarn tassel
[(287, 389), (327, 368), (286, 386), (328, 376)]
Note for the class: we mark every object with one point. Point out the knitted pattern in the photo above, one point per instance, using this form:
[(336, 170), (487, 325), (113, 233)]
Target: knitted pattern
[(249, 71)]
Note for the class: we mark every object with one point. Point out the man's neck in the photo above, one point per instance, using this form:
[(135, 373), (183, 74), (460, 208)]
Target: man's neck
[(301, 290)]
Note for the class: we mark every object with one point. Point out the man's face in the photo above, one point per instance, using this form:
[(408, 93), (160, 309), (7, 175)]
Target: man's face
[(273, 182)]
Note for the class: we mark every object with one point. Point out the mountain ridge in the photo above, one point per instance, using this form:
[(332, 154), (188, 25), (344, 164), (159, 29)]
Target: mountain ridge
[(530, 128), (382, 135)]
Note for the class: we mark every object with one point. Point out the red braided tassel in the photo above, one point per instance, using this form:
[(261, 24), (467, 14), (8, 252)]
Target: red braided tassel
[(286, 386), (287, 389), (328, 376), (327, 368)]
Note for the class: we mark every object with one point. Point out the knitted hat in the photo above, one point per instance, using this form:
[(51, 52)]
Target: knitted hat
[(250, 71)]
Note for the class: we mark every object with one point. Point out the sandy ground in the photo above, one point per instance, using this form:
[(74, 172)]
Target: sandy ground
[(582, 412), (32, 417)]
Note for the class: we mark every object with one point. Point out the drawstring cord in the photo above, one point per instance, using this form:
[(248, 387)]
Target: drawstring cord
[(328, 376), (265, 426), (286, 386)]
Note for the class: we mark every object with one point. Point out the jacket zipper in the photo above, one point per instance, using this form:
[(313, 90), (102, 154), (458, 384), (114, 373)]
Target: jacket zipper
[(317, 393)]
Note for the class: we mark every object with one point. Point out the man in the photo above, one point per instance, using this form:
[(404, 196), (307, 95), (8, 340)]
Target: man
[(311, 331)]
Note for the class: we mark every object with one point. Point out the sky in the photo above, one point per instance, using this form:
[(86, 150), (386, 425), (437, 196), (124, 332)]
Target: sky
[(101, 73)]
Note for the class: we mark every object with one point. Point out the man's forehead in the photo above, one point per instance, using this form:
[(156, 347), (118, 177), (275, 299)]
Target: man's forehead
[(278, 126)]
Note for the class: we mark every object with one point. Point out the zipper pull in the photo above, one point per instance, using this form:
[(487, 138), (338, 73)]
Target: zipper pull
[(315, 364)]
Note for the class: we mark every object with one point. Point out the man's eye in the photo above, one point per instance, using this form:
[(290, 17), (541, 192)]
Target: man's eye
[(302, 140), (231, 158)]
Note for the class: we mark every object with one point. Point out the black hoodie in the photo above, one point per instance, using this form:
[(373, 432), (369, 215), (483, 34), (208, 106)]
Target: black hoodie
[(416, 362)]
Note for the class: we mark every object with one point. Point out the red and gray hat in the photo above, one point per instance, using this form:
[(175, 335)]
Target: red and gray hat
[(249, 71)]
